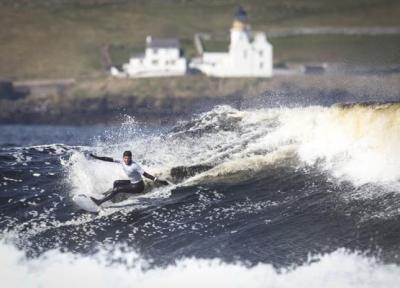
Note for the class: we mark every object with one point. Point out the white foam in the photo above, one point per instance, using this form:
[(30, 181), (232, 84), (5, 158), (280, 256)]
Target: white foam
[(56, 269), (359, 144), (92, 177)]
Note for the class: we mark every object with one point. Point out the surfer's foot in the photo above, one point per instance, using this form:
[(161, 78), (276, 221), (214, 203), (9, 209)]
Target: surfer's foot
[(97, 202)]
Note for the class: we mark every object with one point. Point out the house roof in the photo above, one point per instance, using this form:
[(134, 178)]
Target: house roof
[(162, 42)]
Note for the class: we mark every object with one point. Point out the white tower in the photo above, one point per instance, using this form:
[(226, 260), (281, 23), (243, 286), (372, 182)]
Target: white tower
[(240, 31), (249, 54)]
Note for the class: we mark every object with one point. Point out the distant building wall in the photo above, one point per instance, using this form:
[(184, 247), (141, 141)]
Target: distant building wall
[(162, 57)]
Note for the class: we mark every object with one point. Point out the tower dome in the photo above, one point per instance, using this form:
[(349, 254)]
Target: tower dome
[(240, 20)]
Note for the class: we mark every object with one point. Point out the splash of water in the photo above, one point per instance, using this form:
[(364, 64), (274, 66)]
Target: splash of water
[(121, 268), (356, 143)]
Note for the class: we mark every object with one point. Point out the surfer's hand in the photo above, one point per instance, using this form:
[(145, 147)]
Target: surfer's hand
[(162, 182)]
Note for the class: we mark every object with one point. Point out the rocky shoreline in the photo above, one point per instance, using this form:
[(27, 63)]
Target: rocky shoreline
[(166, 100)]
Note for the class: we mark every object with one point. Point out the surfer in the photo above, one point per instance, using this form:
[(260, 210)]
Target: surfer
[(133, 170)]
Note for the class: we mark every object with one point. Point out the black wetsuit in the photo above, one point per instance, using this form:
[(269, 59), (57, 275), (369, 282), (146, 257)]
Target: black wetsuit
[(122, 186)]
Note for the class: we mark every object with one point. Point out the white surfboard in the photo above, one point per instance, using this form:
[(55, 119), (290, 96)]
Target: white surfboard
[(84, 202)]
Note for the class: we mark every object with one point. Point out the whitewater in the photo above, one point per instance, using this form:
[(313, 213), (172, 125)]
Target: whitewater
[(271, 197)]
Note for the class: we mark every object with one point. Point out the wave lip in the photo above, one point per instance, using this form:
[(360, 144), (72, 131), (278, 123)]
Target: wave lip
[(357, 142)]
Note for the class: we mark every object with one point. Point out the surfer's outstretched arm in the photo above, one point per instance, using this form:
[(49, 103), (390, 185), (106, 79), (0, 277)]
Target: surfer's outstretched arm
[(107, 159), (151, 177)]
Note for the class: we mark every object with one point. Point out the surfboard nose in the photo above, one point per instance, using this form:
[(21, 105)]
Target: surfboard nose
[(84, 202)]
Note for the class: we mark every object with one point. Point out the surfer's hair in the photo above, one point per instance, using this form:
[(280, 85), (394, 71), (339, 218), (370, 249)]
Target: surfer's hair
[(127, 153)]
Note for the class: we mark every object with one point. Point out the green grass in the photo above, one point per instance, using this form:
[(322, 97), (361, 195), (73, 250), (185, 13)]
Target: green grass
[(121, 53), (216, 46), (352, 50), (362, 50), (63, 38)]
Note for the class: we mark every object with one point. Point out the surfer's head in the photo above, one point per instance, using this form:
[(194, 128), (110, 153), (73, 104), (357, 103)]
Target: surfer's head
[(127, 157)]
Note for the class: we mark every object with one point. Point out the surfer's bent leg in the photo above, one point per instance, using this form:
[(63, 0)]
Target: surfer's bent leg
[(134, 188)]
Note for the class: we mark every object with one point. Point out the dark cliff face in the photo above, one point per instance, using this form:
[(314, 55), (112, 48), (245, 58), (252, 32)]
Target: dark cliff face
[(76, 111), (168, 100), (103, 109), (6, 90), (106, 100)]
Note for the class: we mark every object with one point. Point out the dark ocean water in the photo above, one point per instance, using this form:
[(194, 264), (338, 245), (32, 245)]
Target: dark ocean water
[(260, 198)]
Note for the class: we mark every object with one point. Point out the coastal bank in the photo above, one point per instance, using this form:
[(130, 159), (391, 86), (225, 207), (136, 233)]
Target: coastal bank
[(162, 100)]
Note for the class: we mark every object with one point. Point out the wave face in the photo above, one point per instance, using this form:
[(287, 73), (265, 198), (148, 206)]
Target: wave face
[(254, 193)]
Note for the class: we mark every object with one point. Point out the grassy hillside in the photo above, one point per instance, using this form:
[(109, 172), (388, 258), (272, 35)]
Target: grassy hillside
[(63, 38), (350, 50)]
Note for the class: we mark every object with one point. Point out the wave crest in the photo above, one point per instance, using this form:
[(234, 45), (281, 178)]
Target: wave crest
[(358, 143)]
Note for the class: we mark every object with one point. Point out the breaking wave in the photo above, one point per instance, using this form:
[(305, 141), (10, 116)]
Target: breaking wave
[(357, 143)]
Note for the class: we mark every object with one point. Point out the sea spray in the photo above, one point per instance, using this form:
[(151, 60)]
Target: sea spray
[(124, 269)]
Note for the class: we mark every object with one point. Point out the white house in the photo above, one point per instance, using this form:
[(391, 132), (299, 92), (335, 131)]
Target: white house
[(162, 57), (249, 54)]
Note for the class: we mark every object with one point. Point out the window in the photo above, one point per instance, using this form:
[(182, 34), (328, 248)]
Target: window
[(154, 62), (155, 51), (261, 65), (261, 53), (245, 54)]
